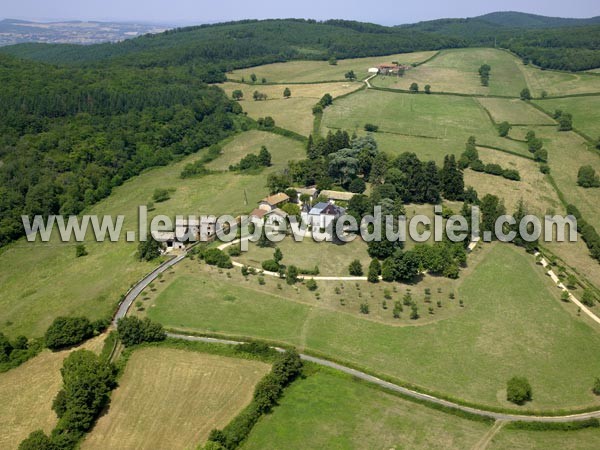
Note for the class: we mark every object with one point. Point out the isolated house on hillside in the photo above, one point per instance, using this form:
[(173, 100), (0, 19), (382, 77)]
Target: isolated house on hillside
[(390, 69), (273, 201)]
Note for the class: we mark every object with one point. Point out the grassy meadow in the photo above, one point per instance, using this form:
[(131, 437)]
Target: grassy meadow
[(585, 110), (294, 113), (510, 439), (333, 411), (512, 322), (559, 83), (170, 398), (514, 111), (315, 71), (41, 281), (456, 70), (429, 125), (32, 387)]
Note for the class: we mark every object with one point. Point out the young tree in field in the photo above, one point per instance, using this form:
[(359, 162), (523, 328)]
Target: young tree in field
[(518, 390), (414, 87), (503, 129), (427, 89), (277, 255), (596, 388), (374, 271), (264, 80), (264, 157), (253, 77), (397, 310), (291, 276), (388, 269), (355, 268), (350, 75), (237, 94), (414, 311), (587, 177), (287, 93), (541, 155), (80, 251), (332, 61), (525, 94)]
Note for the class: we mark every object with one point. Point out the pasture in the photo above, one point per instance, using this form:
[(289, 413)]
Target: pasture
[(316, 71), (510, 439), (585, 110), (294, 113), (514, 111), (41, 281), (27, 392), (512, 322), (170, 398), (429, 125), (559, 83), (330, 410), (456, 70)]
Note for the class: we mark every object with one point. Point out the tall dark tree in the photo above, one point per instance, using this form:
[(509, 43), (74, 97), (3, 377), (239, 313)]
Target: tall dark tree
[(452, 179)]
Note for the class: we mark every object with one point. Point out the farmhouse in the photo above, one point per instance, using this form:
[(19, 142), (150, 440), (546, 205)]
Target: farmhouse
[(321, 215), (193, 229), (273, 201), (333, 196), (259, 216), (388, 69)]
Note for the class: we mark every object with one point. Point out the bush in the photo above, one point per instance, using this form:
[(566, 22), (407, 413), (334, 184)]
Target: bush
[(311, 284), (588, 298), (133, 331), (545, 168), (596, 387), (161, 195), (364, 308), (371, 128), (525, 94), (270, 265), (503, 129), (374, 271), (149, 249), (478, 166), (68, 331), (587, 177), (80, 251), (291, 275), (216, 257), (511, 174), (357, 186), (518, 390), (493, 169), (234, 250), (355, 268)]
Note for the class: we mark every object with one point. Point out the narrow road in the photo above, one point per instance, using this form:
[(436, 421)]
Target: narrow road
[(366, 80), (408, 392)]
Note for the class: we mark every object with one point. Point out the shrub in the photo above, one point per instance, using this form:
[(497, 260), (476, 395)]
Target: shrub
[(587, 177), (503, 129), (588, 298), (270, 265), (545, 168), (414, 87), (357, 186), (216, 257), (80, 251), (518, 390), (478, 166), (511, 174), (133, 331), (161, 195), (291, 275), (68, 331), (371, 128), (234, 250), (355, 268), (311, 284), (374, 271), (364, 308), (596, 387), (525, 94), (493, 169)]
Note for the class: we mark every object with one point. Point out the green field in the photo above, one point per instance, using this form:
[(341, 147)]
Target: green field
[(509, 439), (585, 110), (512, 323), (514, 111), (560, 83), (457, 71), (315, 71), (44, 280), (429, 125), (330, 410)]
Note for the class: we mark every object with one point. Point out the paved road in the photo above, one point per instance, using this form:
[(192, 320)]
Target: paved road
[(133, 293), (405, 391)]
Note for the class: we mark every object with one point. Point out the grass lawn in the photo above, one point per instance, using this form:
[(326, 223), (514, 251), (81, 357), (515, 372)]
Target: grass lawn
[(170, 398), (512, 323), (294, 113), (457, 71), (533, 188), (585, 110), (559, 83), (44, 280), (514, 111), (429, 125), (508, 439), (27, 392), (315, 71), (330, 410)]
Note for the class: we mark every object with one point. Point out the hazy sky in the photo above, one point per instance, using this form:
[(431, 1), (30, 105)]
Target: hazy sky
[(388, 12)]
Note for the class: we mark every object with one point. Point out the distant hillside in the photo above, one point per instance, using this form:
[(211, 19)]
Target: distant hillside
[(524, 20)]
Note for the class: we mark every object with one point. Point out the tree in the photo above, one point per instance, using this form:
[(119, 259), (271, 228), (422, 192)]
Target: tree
[(277, 255), (374, 271), (5, 348), (371, 128), (525, 94), (149, 249), (596, 387), (587, 177), (37, 440), (355, 268), (414, 87), (264, 157), (287, 93), (332, 61), (253, 77), (133, 331), (503, 129), (518, 390), (491, 209), (291, 275), (161, 195), (534, 144), (311, 285), (427, 89), (292, 209), (452, 179), (263, 80), (414, 311), (357, 186), (350, 75), (68, 331), (388, 269), (541, 155), (237, 94), (588, 298)]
